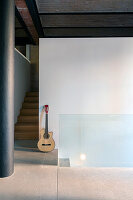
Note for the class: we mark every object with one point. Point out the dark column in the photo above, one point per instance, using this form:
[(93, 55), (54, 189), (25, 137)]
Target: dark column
[(6, 87)]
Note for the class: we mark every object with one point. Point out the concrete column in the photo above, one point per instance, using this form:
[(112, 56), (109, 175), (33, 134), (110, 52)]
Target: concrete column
[(6, 87)]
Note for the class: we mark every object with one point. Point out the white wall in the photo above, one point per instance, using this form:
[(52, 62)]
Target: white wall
[(86, 76), (21, 81)]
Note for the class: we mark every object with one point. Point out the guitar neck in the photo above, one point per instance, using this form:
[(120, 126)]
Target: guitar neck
[(41, 118), (46, 126)]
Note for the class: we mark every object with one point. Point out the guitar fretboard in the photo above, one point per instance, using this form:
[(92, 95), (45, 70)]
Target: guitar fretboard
[(46, 126)]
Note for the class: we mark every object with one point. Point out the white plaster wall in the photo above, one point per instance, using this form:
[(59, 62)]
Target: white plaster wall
[(21, 81), (86, 76)]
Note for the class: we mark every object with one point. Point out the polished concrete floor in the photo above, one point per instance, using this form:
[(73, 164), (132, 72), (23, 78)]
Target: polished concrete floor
[(95, 184), (37, 177), (34, 178)]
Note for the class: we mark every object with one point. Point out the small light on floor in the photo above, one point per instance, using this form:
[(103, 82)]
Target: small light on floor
[(82, 156)]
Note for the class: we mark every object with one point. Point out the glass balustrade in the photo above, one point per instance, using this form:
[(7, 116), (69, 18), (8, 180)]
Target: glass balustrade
[(96, 140)]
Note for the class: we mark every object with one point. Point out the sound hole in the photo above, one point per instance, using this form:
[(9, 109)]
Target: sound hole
[(46, 144)]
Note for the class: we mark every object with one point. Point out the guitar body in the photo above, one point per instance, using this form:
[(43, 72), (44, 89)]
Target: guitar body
[(46, 144)]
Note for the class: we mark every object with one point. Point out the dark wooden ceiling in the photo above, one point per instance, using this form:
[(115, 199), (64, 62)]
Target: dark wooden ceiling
[(81, 18), (89, 6)]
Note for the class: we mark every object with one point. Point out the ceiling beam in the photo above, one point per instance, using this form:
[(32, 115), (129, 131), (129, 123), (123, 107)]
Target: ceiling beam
[(88, 32), (50, 6), (24, 13), (91, 20), (35, 16)]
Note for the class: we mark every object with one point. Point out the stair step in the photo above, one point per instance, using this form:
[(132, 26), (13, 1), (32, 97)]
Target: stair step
[(31, 99), (30, 105), (29, 112), (32, 94), (23, 135), (28, 119), (26, 127)]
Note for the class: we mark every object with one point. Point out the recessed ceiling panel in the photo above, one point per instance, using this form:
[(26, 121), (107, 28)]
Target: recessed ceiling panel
[(88, 32), (91, 20), (55, 6)]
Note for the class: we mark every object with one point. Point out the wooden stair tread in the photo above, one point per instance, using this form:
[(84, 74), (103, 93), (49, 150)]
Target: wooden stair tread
[(30, 105), (28, 119), (28, 111), (18, 124), (32, 94), (31, 99), (20, 135), (26, 126), (27, 132)]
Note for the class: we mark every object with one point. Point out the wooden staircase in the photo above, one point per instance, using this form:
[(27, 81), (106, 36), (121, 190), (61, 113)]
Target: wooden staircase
[(27, 126)]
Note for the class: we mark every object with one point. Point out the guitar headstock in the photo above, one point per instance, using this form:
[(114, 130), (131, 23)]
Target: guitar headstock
[(46, 109)]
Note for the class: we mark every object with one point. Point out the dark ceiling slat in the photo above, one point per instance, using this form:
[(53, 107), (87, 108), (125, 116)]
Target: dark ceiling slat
[(50, 6), (35, 17), (83, 13), (103, 20), (17, 14), (87, 32)]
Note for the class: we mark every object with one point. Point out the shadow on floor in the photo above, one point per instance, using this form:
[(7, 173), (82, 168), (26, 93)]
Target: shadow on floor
[(27, 197), (34, 156), (26, 152), (27, 149)]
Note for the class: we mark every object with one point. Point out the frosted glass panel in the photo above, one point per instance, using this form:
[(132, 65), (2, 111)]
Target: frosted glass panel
[(96, 140)]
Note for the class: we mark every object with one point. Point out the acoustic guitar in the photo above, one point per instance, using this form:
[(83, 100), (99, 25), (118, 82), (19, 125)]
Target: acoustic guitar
[(46, 142)]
